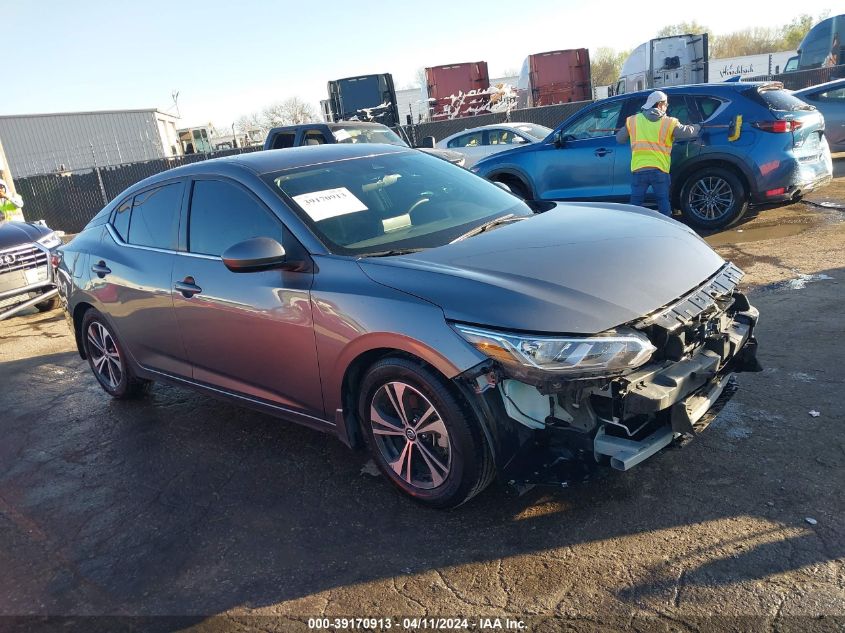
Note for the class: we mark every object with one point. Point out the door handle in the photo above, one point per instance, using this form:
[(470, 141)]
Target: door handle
[(100, 269), (187, 287), (603, 151)]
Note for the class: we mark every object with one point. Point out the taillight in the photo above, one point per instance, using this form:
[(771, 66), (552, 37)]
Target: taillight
[(779, 126)]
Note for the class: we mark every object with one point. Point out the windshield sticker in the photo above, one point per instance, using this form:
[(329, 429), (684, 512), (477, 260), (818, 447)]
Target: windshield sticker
[(329, 203), (342, 135)]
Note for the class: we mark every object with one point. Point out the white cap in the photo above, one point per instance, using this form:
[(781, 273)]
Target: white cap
[(654, 98)]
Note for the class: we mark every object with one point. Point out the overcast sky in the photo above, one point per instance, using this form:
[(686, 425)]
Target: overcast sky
[(234, 57)]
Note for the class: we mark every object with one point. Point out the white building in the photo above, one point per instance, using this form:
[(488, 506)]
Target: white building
[(67, 141)]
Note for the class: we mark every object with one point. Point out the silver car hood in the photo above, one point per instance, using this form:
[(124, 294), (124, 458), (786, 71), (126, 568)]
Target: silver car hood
[(579, 268)]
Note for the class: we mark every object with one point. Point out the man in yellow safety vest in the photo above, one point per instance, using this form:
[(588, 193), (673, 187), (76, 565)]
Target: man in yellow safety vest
[(9, 202), (652, 134)]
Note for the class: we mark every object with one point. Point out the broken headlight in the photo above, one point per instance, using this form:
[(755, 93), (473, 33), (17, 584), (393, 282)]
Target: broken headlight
[(608, 353)]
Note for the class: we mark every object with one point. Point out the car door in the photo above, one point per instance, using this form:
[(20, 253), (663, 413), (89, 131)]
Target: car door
[(831, 102), (580, 166), (246, 333), (131, 276)]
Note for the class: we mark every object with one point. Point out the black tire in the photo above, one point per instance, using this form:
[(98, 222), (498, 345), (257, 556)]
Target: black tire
[(50, 304), (107, 359), (713, 198), (517, 187), (449, 462)]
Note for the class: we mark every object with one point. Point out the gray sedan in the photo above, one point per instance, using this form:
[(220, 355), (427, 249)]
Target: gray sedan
[(829, 99), (480, 142), (400, 302)]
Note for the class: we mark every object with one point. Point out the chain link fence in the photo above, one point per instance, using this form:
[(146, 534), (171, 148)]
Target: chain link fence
[(67, 200)]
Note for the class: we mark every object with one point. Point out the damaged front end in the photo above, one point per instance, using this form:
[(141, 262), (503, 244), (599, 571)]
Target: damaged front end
[(614, 399)]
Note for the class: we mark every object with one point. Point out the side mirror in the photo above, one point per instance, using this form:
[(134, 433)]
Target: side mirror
[(426, 141), (502, 185), (559, 140), (253, 255)]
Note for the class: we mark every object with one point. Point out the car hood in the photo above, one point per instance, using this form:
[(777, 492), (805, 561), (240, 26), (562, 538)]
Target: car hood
[(499, 157), (579, 268), (16, 233), (446, 154)]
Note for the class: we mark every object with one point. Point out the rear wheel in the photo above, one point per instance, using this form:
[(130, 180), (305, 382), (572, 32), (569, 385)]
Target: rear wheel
[(517, 187), (107, 359), (424, 440), (713, 198)]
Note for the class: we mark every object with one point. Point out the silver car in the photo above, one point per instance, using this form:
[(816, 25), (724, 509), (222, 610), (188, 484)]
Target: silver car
[(829, 99), (398, 301), (480, 142)]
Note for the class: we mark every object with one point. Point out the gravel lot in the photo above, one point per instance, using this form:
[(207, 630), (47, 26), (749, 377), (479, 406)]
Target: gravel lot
[(180, 506)]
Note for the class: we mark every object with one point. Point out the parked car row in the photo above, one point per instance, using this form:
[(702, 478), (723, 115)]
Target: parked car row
[(779, 153)]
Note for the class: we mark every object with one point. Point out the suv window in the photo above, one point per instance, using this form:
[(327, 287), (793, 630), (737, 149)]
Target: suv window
[(283, 140), (835, 95), (155, 217), (120, 219), (683, 109), (223, 214), (466, 140), (601, 121), (707, 106)]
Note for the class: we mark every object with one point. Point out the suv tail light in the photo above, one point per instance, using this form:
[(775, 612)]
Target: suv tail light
[(779, 126)]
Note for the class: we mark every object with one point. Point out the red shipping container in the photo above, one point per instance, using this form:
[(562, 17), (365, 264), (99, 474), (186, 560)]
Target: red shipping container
[(457, 89), (560, 77)]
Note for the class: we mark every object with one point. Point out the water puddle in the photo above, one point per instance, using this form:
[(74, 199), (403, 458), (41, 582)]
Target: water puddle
[(756, 234)]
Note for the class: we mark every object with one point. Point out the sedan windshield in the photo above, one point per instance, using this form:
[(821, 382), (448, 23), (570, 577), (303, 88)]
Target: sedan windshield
[(362, 134), (393, 202), (538, 132)]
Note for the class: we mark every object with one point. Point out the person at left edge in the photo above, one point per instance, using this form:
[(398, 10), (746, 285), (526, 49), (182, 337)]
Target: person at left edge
[(9, 202)]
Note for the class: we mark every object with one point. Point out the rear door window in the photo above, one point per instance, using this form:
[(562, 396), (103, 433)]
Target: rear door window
[(283, 140), (466, 140), (706, 107), (223, 214), (120, 219), (155, 217), (683, 108), (314, 137)]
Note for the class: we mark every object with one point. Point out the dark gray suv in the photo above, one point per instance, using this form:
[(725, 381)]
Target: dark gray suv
[(391, 298)]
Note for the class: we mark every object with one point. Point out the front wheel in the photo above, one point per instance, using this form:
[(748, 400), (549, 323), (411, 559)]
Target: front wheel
[(107, 359), (423, 438), (713, 198)]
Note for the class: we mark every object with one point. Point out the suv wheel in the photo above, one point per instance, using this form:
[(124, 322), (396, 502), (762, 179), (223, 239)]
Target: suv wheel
[(713, 198), (516, 186), (107, 359), (422, 438)]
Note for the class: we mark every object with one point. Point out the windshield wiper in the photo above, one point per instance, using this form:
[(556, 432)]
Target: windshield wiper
[(505, 219), (395, 251)]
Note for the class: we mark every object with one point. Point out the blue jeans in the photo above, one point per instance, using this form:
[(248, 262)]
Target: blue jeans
[(659, 182)]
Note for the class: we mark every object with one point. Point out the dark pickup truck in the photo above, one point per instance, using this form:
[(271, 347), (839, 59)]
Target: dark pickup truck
[(345, 132)]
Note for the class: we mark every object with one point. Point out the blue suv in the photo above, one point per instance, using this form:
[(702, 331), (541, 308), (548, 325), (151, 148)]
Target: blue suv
[(779, 154)]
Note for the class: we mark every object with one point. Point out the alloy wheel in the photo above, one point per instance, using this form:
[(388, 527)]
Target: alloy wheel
[(105, 357), (711, 198), (410, 435)]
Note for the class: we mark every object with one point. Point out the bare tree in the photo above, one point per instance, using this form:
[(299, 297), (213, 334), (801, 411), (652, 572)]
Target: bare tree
[(288, 112), (751, 41), (248, 122), (606, 65)]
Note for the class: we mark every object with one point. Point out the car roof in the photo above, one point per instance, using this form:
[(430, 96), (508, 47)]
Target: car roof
[(828, 84), (493, 126), (266, 161), (715, 88)]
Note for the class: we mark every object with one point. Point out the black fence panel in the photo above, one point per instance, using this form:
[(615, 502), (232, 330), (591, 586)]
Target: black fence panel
[(804, 78), (550, 116), (67, 201)]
